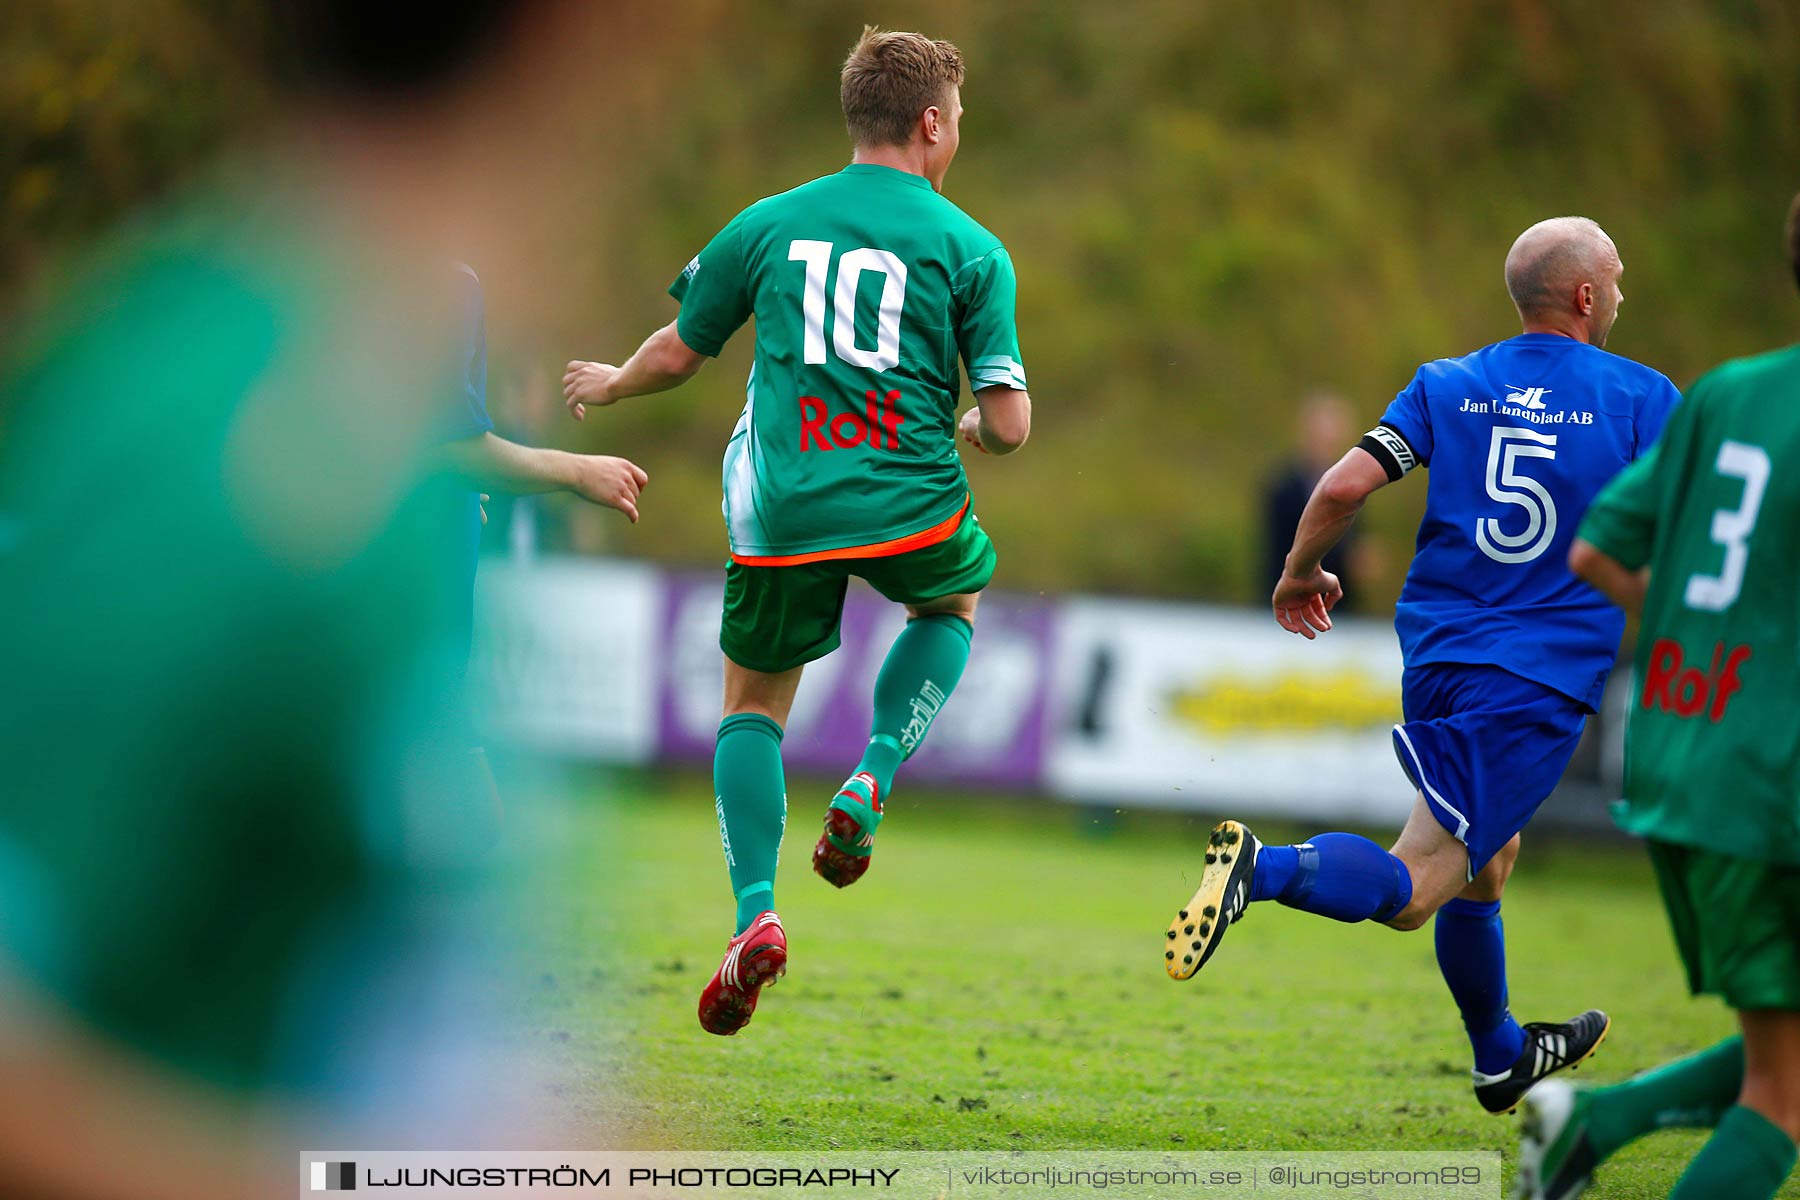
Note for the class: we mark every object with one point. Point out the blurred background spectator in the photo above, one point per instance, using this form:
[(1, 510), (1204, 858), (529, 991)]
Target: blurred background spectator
[(1325, 429)]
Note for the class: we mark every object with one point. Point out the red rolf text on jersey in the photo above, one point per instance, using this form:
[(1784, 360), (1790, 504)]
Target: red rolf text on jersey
[(1687, 691), (878, 424)]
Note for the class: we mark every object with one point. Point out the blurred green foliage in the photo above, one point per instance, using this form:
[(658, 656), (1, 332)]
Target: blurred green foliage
[(1213, 207), (103, 106)]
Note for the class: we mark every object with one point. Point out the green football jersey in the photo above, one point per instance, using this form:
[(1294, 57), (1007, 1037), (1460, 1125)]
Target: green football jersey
[(867, 287), (1713, 750)]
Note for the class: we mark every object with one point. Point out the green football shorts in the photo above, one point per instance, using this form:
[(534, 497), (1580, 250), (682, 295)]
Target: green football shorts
[(1735, 922), (778, 618)]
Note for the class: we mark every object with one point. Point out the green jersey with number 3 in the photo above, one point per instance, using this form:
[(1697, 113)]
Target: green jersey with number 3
[(1713, 752), (867, 287)]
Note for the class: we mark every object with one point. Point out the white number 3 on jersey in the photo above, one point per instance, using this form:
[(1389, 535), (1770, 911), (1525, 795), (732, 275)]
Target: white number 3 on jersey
[(1732, 527), (1507, 485)]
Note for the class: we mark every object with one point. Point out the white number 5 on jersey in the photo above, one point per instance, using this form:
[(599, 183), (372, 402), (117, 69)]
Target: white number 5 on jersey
[(1507, 485)]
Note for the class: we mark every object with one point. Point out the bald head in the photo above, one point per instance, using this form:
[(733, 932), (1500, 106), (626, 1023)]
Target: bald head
[(1564, 273)]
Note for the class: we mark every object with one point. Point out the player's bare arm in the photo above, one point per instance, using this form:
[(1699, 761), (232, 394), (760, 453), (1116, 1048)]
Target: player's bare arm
[(1000, 421), (664, 361), (1612, 578), (1307, 593), (493, 462)]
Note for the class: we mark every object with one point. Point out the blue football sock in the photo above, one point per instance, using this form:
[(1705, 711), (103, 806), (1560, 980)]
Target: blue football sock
[(1275, 868), (1336, 875), (1471, 953)]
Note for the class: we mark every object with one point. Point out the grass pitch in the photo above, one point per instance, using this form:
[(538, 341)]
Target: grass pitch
[(996, 982)]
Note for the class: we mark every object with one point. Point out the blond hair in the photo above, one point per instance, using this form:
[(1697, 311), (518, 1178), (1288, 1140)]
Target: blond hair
[(892, 77)]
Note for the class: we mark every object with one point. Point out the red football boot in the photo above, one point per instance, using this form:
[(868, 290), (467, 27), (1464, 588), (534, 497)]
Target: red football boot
[(755, 958), (848, 843)]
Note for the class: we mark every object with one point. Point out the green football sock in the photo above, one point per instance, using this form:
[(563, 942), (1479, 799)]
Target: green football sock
[(751, 798), (1693, 1092), (918, 675), (1747, 1158)]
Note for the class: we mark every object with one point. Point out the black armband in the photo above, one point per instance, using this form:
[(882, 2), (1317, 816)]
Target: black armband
[(1388, 448)]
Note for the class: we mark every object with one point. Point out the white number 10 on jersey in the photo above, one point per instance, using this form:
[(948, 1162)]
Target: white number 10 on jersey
[(852, 264)]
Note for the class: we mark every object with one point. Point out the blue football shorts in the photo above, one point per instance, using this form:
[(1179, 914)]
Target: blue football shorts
[(1485, 747)]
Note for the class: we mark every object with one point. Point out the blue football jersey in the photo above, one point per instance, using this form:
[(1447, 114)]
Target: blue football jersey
[(1519, 437)]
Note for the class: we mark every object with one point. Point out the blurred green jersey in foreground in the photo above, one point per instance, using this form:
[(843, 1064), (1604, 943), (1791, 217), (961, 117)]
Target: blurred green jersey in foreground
[(233, 783)]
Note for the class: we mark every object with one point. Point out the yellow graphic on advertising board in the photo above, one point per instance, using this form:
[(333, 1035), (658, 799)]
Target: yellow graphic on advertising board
[(1350, 700)]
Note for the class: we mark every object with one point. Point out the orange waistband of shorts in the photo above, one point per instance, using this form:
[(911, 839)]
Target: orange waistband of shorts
[(943, 531)]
